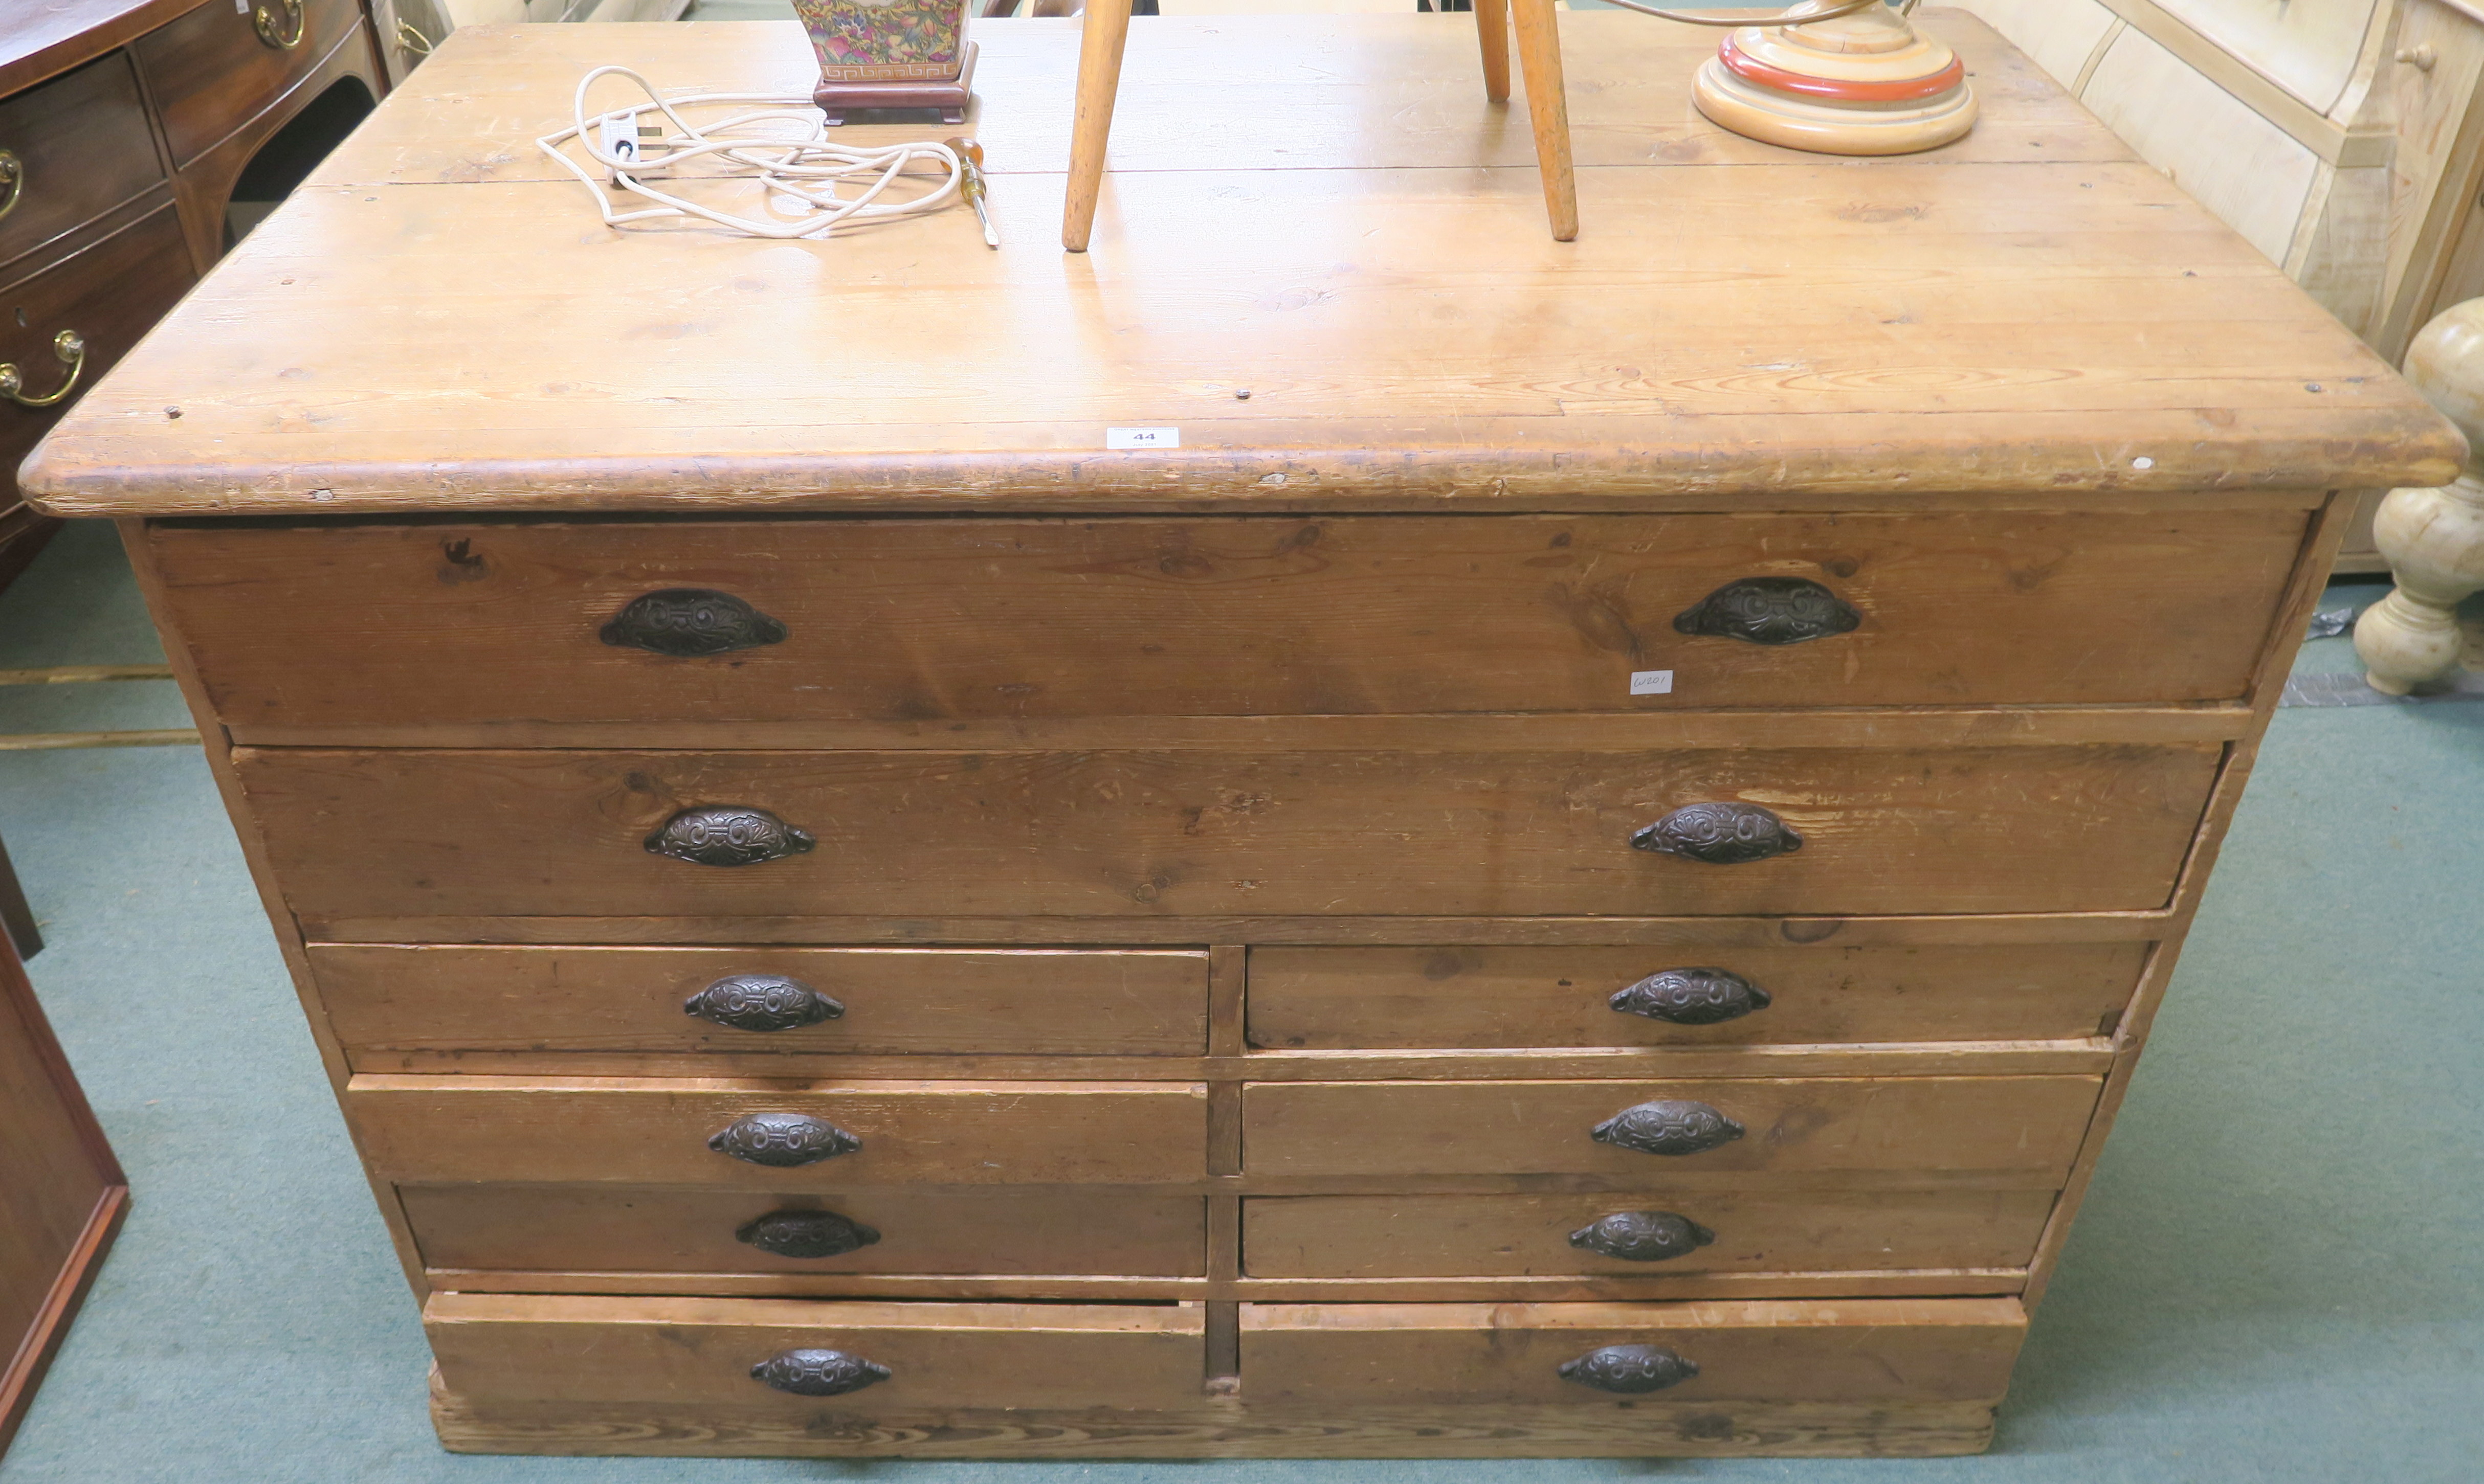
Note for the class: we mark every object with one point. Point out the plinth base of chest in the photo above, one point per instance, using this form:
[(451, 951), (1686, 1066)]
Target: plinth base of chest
[(1222, 1428)]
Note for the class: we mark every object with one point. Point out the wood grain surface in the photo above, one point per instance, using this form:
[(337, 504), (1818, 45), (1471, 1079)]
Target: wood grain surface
[(2018, 1129), (1173, 834), (1821, 1231), (651, 1231), (1349, 998), (654, 1131), (548, 1348), (1865, 1350), (417, 627), (1409, 334), (897, 1001)]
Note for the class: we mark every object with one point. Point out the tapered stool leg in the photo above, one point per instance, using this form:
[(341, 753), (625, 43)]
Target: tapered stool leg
[(1492, 28), (1099, 79), (1547, 108)]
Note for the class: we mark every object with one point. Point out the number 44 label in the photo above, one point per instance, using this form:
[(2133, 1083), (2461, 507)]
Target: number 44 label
[(1142, 438)]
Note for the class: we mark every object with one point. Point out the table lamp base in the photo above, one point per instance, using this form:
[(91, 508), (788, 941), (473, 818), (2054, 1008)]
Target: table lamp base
[(1863, 84)]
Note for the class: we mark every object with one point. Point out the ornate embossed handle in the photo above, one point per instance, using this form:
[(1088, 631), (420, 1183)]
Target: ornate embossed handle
[(1691, 997), (70, 347), (785, 1141), (819, 1372), (262, 20), (1667, 1126), (690, 623), (1642, 1236), (729, 835), (1769, 610), (1720, 834), (761, 1002), (1632, 1370), (13, 180), (806, 1234)]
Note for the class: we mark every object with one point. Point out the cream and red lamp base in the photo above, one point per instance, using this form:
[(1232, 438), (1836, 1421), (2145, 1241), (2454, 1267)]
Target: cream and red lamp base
[(1866, 83)]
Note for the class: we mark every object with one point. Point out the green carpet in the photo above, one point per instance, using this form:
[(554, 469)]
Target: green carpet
[(2277, 1276)]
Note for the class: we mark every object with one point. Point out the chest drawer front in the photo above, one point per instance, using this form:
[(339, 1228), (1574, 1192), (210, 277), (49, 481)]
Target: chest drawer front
[(2005, 829), (1370, 998), (428, 628), (105, 296), (1850, 1351), (685, 1131), (215, 68), (1756, 1132), (550, 1348), (1654, 1233), (1133, 1233), (897, 1001), (71, 150)]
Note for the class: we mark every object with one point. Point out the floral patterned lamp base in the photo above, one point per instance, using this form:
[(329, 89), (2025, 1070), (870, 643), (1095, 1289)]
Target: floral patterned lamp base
[(890, 54)]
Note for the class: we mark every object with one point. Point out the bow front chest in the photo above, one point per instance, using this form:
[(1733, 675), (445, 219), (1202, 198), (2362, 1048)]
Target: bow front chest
[(1570, 856)]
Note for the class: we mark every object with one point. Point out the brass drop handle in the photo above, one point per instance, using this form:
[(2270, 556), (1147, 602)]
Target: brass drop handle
[(262, 20), (1630, 1369), (1769, 610), (690, 623), (728, 836), (761, 1002), (819, 1372), (1691, 997), (13, 180), (1642, 1236), (1667, 1126), (806, 1234), (1719, 834), (70, 347), (782, 1141)]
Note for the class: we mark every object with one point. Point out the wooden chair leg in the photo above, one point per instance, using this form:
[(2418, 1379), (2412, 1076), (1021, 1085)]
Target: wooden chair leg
[(16, 918), (1099, 79), (1547, 108), (1492, 28)]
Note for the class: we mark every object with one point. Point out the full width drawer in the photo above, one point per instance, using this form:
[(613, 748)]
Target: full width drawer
[(2010, 1131), (1654, 1233), (516, 1229), (548, 1348), (655, 1131), (1350, 998), (2002, 829), (436, 626), (1845, 1351), (76, 147), (215, 68), (901, 1001)]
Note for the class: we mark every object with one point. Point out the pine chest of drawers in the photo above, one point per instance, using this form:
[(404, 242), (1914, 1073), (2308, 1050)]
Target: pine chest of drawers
[(1580, 868)]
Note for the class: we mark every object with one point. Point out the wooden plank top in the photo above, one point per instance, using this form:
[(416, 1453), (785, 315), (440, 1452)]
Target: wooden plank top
[(1320, 210)]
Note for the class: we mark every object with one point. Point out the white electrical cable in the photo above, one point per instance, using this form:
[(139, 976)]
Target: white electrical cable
[(781, 143)]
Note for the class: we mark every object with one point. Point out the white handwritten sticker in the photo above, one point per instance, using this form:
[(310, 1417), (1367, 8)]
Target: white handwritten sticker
[(1142, 438), (1651, 682)]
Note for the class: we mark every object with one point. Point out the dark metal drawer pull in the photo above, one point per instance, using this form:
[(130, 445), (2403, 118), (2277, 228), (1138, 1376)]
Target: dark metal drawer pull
[(1630, 1369), (783, 1140), (761, 1002), (1769, 610), (819, 1372), (13, 180), (1720, 834), (1691, 997), (729, 835), (806, 1234), (1642, 1236), (1667, 1127), (690, 623)]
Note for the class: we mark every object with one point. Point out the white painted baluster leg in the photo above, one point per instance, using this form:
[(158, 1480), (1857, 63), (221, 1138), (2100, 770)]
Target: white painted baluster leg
[(2433, 538)]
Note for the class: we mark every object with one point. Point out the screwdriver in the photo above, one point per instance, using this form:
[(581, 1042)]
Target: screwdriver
[(970, 180)]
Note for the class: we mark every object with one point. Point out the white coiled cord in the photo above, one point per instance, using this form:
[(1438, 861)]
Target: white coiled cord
[(780, 140)]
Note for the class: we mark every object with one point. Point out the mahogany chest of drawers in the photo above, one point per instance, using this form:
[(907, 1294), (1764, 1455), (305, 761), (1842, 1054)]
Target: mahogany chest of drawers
[(1580, 868)]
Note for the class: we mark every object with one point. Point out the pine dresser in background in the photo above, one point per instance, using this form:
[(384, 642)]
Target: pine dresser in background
[(1579, 870)]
